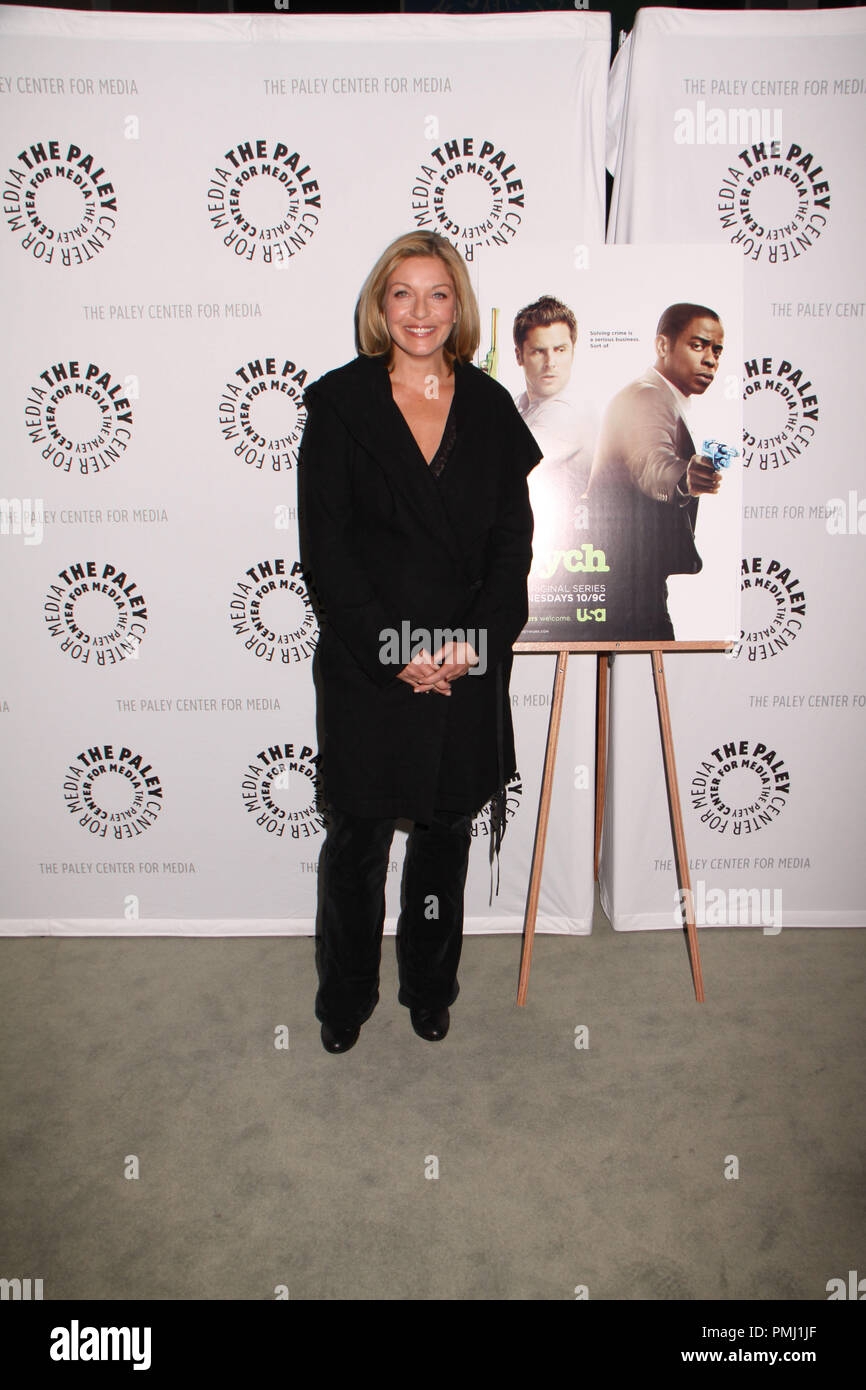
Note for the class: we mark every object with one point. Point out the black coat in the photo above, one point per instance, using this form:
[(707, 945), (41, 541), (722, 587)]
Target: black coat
[(384, 543)]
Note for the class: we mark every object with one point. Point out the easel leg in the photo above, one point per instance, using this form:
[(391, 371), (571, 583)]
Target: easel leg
[(682, 860), (601, 690), (541, 827)]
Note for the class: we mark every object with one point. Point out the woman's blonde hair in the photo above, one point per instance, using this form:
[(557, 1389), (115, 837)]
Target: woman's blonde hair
[(374, 340)]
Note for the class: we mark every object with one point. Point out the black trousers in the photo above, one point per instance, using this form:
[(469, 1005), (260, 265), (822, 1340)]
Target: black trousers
[(352, 875)]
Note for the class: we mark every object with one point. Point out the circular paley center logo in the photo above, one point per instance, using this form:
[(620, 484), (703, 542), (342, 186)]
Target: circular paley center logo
[(265, 201), (95, 613), (279, 790), (62, 201), (740, 788), (780, 415), (774, 205), (113, 794), (470, 191), (78, 417), (272, 614), (774, 608), (262, 413), (513, 797)]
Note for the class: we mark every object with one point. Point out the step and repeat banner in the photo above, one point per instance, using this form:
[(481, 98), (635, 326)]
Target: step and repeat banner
[(190, 207), (745, 128)]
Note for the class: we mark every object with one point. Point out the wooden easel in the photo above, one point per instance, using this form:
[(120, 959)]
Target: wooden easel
[(604, 651)]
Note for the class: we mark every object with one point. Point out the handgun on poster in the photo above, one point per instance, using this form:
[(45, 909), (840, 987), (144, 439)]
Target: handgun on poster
[(720, 455)]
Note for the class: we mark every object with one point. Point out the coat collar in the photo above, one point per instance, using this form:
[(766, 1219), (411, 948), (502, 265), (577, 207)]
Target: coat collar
[(359, 391)]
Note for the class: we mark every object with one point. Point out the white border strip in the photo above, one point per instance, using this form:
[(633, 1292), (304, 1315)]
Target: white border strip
[(22, 22)]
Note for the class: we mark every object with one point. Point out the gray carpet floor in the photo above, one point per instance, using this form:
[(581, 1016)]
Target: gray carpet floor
[(686, 1151)]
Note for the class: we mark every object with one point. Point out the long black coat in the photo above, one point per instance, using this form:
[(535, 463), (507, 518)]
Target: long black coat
[(383, 543)]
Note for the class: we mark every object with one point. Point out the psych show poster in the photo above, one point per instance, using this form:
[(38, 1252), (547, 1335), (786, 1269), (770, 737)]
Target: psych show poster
[(638, 498)]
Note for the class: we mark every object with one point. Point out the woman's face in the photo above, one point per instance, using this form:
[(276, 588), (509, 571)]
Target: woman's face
[(420, 306)]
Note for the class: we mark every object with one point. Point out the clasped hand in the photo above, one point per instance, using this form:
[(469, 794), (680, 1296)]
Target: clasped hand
[(426, 673)]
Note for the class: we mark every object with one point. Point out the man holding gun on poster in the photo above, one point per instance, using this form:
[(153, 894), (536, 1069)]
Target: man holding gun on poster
[(647, 477)]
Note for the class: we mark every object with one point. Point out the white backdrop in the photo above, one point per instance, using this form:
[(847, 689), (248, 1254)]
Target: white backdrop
[(769, 742), (191, 204)]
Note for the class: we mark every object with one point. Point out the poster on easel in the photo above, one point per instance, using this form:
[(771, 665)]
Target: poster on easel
[(624, 363)]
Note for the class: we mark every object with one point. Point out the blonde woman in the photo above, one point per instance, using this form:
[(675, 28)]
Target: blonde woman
[(416, 540)]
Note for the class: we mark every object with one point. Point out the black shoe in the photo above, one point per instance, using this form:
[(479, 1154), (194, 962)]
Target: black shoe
[(339, 1039), (431, 1024)]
